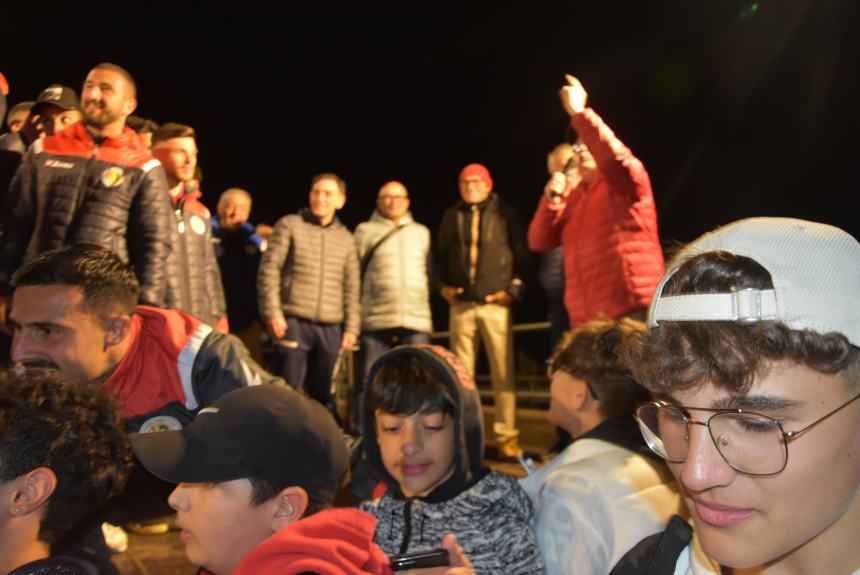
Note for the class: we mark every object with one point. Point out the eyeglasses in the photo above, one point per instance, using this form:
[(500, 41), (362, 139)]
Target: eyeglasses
[(751, 443), (392, 198)]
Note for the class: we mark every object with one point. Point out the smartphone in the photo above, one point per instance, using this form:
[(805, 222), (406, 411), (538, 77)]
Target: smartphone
[(419, 560)]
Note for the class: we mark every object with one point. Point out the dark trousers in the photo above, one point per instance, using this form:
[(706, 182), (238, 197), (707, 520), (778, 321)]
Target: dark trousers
[(373, 345), (307, 355), (376, 343)]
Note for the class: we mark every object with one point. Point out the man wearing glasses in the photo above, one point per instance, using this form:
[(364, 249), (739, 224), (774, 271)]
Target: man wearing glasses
[(752, 354), (393, 251), (600, 210)]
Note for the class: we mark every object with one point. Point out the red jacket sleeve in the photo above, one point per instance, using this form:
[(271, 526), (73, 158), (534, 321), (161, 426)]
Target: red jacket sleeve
[(617, 164)]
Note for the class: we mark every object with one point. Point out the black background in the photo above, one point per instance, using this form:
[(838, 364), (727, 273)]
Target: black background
[(737, 109)]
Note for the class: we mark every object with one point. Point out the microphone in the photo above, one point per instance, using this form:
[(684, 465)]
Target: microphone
[(573, 163)]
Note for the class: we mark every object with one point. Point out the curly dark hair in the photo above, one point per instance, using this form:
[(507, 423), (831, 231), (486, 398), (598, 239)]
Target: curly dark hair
[(74, 429), (684, 354), (108, 284), (590, 353)]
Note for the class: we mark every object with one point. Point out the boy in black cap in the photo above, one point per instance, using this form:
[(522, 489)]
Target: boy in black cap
[(423, 437), (257, 471)]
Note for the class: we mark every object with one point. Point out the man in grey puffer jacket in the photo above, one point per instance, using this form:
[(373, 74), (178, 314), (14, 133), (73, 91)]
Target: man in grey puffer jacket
[(393, 251), (308, 289)]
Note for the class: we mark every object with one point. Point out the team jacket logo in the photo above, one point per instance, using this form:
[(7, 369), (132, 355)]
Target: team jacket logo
[(160, 423), (198, 226), (113, 176), (58, 164)]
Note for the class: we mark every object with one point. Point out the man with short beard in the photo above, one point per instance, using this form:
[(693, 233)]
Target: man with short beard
[(93, 182)]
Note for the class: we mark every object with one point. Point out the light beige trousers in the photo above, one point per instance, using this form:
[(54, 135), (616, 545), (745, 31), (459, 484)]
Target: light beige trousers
[(493, 323)]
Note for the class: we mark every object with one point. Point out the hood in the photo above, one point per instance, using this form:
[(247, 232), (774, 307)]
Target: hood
[(331, 542), (468, 422)]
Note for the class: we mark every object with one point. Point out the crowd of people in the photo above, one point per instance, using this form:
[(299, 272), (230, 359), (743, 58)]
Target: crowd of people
[(711, 402)]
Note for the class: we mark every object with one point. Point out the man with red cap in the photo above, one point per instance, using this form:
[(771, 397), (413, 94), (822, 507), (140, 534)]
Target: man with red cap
[(480, 255)]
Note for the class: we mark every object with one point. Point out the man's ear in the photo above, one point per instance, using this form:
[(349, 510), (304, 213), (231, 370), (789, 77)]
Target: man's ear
[(290, 506), (116, 330), (588, 399), (581, 397), (31, 491), (130, 106)]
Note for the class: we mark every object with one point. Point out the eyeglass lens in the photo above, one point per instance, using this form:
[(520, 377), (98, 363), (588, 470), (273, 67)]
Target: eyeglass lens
[(750, 443)]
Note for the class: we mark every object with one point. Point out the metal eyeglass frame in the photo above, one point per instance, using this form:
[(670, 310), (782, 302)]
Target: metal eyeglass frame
[(685, 412)]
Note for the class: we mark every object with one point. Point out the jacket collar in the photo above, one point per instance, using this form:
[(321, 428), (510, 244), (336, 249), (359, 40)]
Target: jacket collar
[(378, 218)]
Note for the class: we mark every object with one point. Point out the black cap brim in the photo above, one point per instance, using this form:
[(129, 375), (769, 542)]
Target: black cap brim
[(176, 457)]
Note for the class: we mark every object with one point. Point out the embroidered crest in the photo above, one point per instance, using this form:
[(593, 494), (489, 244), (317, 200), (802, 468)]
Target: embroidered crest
[(160, 423), (112, 177), (198, 226)]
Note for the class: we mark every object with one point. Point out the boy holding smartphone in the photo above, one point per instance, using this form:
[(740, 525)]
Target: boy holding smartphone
[(257, 473)]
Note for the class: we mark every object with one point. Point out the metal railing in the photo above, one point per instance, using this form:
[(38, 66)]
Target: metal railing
[(532, 385)]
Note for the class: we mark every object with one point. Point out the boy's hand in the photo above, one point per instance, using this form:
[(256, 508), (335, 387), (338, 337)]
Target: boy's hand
[(460, 564)]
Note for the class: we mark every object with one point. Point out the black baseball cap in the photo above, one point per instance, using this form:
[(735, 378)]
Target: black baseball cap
[(57, 95), (270, 431)]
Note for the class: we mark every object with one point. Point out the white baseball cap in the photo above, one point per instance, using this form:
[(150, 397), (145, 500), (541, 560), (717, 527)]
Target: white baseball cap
[(815, 270)]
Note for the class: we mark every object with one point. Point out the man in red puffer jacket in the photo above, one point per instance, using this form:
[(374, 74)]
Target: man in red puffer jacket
[(602, 213)]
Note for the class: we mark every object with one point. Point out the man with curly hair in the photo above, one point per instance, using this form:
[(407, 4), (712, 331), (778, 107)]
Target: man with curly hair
[(752, 354), (63, 453)]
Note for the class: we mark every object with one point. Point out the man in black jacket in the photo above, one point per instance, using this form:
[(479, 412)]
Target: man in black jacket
[(193, 273), (480, 255), (92, 182)]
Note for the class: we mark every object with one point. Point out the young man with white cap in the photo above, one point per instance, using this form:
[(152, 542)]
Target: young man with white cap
[(752, 353)]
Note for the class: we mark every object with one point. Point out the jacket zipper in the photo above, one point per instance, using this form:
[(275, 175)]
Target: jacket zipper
[(322, 273), (80, 193), (407, 526)]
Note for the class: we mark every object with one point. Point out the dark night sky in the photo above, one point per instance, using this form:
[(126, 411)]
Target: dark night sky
[(736, 109)]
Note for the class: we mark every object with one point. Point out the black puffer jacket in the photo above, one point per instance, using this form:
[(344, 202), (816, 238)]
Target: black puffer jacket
[(656, 554), (69, 189), (193, 275), (502, 252)]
